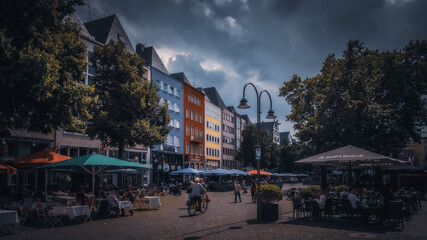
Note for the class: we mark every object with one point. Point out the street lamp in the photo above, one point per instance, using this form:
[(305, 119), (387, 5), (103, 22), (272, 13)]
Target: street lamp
[(270, 115)]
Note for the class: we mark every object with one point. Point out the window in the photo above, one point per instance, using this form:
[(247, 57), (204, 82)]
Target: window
[(177, 108), (192, 115), (171, 122), (192, 149), (187, 113), (197, 117), (201, 150), (177, 124), (189, 97), (178, 93), (176, 141), (158, 84), (165, 87), (187, 148), (192, 131), (201, 119), (171, 90), (170, 105), (187, 130)]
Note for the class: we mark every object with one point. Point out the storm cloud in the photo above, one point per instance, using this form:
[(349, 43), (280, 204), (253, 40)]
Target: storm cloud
[(226, 43)]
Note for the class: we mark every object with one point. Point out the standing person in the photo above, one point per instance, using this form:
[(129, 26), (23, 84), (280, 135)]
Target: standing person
[(244, 186), (253, 190), (237, 189), (198, 190)]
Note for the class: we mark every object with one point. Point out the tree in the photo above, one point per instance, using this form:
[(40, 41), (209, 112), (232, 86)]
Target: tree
[(246, 153), (129, 110), (42, 62), (368, 98)]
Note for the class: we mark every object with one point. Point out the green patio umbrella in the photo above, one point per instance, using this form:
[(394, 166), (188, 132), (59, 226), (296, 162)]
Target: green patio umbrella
[(94, 164)]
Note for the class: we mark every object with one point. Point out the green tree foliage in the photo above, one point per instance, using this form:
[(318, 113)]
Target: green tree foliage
[(366, 98), (246, 153), (42, 62), (129, 110)]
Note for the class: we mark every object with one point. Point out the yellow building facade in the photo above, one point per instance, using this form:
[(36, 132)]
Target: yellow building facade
[(213, 135)]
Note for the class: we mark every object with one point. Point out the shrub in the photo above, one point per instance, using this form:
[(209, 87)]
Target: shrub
[(310, 192), (341, 188), (270, 193)]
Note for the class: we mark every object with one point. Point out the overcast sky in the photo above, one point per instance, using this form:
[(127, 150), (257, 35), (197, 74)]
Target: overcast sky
[(227, 43)]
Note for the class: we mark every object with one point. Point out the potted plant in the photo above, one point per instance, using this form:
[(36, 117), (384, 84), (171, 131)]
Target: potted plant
[(269, 195)]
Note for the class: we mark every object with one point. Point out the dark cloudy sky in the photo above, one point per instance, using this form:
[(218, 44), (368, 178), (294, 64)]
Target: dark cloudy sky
[(226, 43)]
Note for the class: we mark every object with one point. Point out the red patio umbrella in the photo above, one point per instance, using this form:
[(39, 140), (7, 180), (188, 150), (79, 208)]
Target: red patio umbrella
[(7, 169), (261, 172)]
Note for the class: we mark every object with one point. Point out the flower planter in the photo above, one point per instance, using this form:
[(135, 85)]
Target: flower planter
[(269, 212)]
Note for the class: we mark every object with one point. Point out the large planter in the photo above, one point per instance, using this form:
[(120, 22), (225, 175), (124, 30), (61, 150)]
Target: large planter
[(269, 212)]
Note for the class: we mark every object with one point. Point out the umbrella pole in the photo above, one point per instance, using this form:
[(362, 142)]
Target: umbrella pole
[(93, 179), (45, 181)]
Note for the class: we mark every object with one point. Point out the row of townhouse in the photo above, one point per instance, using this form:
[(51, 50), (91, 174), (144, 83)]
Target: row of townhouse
[(205, 132)]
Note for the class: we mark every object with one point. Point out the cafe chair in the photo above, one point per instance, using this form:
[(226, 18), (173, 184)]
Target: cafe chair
[(395, 212)]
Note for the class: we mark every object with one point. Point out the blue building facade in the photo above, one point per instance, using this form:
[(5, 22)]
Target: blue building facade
[(168, 156)]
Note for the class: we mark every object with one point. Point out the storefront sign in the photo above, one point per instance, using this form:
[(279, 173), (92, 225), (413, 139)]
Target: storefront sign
[(166, 167)]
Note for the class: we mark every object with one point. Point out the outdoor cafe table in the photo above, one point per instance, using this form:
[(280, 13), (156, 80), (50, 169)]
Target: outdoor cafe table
[(125, 205), (34, 204), (154, 201), (8, 217), (69, 200), (71, 211)]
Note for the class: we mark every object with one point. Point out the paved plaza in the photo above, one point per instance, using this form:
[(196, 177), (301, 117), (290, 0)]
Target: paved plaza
[(223, 220)]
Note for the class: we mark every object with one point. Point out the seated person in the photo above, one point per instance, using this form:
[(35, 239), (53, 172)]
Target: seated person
[(320, 203), (344, 194), (101, 194), (128, 197), (81, 197), (354, 200), (112, 201)]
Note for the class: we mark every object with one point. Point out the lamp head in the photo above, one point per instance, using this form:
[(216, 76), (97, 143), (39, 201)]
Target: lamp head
[(270, 114), (243, 104)]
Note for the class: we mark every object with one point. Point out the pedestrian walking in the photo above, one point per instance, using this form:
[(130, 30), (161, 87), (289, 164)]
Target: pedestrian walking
[(253, 190), (237, 189), (244, 186)]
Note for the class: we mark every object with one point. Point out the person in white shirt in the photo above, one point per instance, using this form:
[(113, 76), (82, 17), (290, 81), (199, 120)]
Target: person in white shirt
[(353, 198), (322, 200)]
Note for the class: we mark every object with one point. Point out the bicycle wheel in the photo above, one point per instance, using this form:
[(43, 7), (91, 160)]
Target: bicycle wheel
[(192, 209), (204, 206)]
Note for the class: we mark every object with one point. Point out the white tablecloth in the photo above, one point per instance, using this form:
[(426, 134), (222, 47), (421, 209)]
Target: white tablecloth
[(45, 204), (71, 211), (8, 217), (125, 204), (69, 199), (154, 201)]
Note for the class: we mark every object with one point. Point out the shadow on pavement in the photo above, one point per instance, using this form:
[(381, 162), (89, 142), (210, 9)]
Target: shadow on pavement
[(340, 224)]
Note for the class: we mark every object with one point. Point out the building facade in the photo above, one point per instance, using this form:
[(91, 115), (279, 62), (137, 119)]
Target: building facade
[(168, 156), (228, 139), (213, 135)]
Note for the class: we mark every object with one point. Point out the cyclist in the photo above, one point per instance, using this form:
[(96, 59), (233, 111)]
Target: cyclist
[(198, 190)]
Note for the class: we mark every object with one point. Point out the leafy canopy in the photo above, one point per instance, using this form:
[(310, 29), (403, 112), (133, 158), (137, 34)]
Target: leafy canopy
[(42, 62), (129, 110), (246, 153), (367, 98)]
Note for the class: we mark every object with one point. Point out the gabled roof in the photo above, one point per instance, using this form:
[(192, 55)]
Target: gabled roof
[(74, 18), (246, 118), (109, 28), (214, 97), (181, 77), (149, 54), (232, 109), (284, 135)]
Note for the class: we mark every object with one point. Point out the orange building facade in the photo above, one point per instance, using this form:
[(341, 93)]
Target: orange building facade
[(194, 127)]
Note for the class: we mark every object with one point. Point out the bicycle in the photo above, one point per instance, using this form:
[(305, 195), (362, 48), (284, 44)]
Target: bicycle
[(192, 209)]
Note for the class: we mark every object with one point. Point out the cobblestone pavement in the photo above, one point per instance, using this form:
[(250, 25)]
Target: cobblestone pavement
[(223, 220)]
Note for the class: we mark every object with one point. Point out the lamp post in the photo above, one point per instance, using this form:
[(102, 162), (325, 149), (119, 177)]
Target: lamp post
[(244, 105)]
